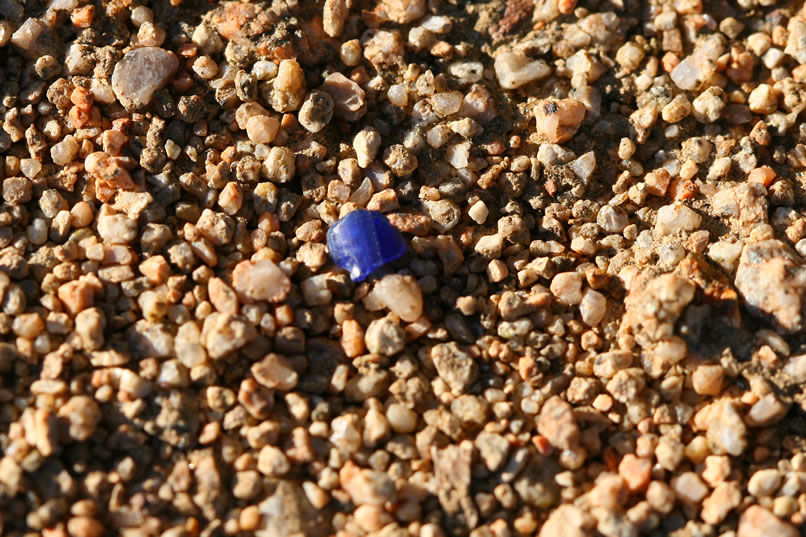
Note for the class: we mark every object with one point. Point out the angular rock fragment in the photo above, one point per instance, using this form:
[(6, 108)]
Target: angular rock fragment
[(772, 280), (140, 73)]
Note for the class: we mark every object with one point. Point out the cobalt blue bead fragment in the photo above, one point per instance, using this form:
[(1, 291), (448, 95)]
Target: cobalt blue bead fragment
[(364, 241)]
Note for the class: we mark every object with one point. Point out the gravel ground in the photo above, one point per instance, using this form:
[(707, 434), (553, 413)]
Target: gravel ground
[(598, 329)]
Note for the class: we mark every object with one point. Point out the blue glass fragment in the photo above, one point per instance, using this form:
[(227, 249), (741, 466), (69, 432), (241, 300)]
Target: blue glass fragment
[(364, 241)]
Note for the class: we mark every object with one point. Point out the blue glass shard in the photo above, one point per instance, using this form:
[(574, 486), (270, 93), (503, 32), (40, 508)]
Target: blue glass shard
[(364, 241)]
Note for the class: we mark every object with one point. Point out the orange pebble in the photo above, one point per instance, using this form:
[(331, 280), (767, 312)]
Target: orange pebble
[(82, 98), (78, 117), (683, 189), (188, 50), (566, 7), (542, 444), (288, 121), (82, 16), (669, 61), (763, 174)]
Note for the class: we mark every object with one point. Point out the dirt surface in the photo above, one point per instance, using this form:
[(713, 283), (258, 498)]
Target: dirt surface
[(597, 328)]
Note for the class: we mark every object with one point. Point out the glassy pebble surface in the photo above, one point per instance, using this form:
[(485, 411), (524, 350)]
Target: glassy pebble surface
[(364, 241)]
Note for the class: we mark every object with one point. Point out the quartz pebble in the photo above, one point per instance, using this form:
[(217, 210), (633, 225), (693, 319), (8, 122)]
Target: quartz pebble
[(515, 69), (675, 218), (558, 120), (402, 295), (140, 73), (260, 280), (348, 98)]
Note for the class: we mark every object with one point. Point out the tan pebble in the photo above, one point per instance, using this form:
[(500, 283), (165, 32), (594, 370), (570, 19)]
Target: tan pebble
[(249, 518), (759, 522), (352, 338), (82, 526), (371, 517), (707, 379)]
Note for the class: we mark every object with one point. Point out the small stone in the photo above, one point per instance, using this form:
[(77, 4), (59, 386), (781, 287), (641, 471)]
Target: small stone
[(493, 448), (262, 129), (635, 471), (366, 144), (400, 160), (140, 73), (403, 420), (707, 379), (717, 506), (515, 69), (759, 522), (569, 521), (17, 190), (478, 212), (272, 462), (287, 511), (260, 280), (349, 100), (364, 241), (224, 333), (763, 100), (593, 307), (117, 229), (772, 280), (446, 103), (689, 487), (76, 296), (274, 372), (367, 486), (402, 295), (766, 411), (334, 15), (490, 246), (675, 218), (764, 483), (558, 120), (84, 526), (82, 414), (629, 56), (316, 111), (709, 104), (403, 11), (660, 496), (726, 431), (371, 518), (454, 365), (567, 287), (796, 368), (612, 219), (33, 38), (289, 87), (385, 337), (382, 48), (557, 423), (352, 338)]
